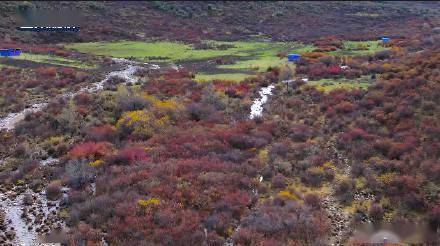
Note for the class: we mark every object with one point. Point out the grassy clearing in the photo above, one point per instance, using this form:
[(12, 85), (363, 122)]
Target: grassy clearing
[(201, 77), (365, 14), (323, 190), (327, 85), (253, 56), (353, 48), (162, 51), (55, 60), (258, 63), (175, 51)]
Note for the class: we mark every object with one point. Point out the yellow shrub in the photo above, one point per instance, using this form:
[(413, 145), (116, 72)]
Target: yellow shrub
[(147, 202), (96, 163), (143, 122), (328, 164), (263, 155), (172, 104), (55, 140), (362, 46), (387, 177), (150, 98), (286, 193)]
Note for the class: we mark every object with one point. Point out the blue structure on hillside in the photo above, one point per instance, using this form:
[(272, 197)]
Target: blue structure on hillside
[(293, 57), (10, 52), (385, 39)]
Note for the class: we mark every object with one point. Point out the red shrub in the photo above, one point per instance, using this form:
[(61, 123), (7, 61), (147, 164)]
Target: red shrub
[(89, 149), (133, 154), (61, 53), (334, 69), (344, 107), (31, 83), (67, 72), (102, 133), (279, 181), (47, 71), (355, 134), (82, 99), (62, 82)]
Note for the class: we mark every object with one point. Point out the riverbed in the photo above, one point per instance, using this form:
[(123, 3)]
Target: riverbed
[(257, 105), (24, 224)]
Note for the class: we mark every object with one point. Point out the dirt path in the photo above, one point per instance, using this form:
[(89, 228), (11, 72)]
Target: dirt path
[(339, 219)]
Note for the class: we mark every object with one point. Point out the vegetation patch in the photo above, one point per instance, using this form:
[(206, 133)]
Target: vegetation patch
[(253, 56), (200, 77), (359, 48), (54, 60), (327, 85)]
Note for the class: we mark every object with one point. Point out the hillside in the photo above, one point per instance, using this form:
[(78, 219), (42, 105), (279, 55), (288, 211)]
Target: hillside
[(303, 21), (187, 123)]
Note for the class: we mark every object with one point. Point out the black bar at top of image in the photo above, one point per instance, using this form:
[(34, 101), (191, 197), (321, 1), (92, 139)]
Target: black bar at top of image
[(49, 29)]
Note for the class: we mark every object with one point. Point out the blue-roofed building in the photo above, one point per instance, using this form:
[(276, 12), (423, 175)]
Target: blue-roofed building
[(6, 52), (385, 39), (293, 57), (10, 52)]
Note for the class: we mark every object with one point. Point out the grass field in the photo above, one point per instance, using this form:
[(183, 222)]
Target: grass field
[(55, 60), (327, 85), (222, 76), (174, 51), (252, 56), (352, 48)]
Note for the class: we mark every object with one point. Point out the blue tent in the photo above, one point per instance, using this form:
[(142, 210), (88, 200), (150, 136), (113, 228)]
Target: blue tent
[(293, 57), (6, 52), (385, 39), (10, 52)]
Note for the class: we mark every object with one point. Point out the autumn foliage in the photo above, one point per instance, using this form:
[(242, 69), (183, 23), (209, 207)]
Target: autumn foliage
[(90, 149)]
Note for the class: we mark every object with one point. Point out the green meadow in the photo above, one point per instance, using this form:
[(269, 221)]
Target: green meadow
[(222, 76), (352, 48), (328, 85), (54, 60), (248, 57)]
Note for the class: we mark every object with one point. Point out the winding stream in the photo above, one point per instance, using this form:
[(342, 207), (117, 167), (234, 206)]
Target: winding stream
[(10, 121), (257, 105), (23, 224), (27, 222)]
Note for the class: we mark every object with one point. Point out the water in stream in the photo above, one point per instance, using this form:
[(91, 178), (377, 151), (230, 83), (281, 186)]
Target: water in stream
[(257, 105), (41, 212), (38, 215), (11, 120)]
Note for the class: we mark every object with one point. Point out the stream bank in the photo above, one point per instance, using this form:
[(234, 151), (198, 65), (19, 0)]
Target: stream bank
[(27, 215)]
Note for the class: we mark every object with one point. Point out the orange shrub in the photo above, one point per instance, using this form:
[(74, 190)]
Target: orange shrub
[(90, 149)]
